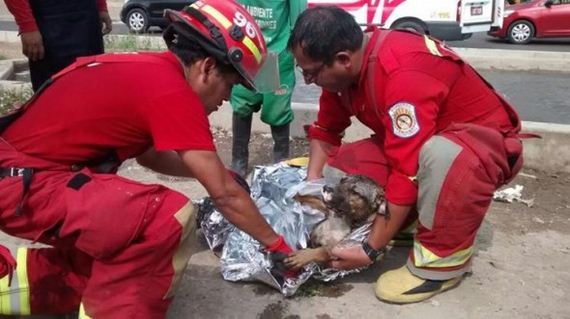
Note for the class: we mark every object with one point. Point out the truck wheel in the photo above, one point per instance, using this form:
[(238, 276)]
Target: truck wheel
[(520, 32), (410, 25)]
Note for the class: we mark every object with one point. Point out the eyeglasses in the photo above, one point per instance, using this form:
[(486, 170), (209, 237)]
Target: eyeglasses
[(310, 75)]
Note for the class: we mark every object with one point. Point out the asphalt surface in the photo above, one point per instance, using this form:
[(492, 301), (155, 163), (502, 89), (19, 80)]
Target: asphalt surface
[(482, 41)]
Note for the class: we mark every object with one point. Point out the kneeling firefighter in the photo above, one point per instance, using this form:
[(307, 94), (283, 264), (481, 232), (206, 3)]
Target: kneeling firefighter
[(119, 247)]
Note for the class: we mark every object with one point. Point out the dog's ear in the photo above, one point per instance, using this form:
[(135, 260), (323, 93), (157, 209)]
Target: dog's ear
[(328, 193)]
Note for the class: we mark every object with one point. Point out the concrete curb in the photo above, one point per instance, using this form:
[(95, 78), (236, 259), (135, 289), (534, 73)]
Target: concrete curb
[(550, 153), (6, 69), (8, 78), (9, 36), (516, 60)]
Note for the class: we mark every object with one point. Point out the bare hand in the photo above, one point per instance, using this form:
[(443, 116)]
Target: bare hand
[(106, 22), (32, 45), (349, 257)]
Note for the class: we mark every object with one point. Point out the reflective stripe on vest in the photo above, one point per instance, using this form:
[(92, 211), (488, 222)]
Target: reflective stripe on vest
[(423, 257), (15, 299), (432, 46)]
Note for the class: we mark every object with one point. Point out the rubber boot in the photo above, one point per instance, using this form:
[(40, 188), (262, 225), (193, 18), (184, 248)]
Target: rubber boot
[(400, 286), (241, 132), (280, 142)]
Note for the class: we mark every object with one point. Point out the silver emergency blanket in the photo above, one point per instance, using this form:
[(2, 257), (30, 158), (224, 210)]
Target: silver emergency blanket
[(272, 189)]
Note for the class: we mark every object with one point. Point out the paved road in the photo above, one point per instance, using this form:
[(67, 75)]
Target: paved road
[(540, 97)]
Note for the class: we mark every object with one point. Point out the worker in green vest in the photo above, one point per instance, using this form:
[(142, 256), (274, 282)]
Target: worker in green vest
[(276, 19)]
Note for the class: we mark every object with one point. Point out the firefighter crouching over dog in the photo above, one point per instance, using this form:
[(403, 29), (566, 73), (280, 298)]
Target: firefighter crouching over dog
[(120, 247), (444, 142)]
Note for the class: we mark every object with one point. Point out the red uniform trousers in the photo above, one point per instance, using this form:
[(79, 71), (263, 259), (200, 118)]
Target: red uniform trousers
[(459, 170), (119, 247)]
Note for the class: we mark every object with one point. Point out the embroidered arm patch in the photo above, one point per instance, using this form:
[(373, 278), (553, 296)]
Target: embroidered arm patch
[(404, 121)]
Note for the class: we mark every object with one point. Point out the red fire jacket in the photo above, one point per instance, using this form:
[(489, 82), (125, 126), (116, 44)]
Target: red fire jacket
[(410, 88)]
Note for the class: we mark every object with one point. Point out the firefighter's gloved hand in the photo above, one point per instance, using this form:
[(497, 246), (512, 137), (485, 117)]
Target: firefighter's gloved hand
[(7, 263), (278, 251)]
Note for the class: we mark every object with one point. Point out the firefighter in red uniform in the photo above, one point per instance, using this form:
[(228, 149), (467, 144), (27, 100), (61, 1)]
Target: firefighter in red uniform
[(120, 247), (443, 142)]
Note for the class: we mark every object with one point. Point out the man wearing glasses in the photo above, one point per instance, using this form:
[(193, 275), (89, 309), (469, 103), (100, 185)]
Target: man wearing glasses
[(444, 142)]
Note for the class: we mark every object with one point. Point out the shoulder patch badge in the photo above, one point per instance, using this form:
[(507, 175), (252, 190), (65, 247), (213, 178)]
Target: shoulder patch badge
[(404, 121)]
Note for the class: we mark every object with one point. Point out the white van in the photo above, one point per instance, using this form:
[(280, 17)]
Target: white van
[(443, 19)]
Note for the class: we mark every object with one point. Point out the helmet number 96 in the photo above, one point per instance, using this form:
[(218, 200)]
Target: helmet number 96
[(241, 22)]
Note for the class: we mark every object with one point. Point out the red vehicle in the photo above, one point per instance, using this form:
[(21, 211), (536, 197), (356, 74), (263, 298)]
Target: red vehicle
[(535, 19)]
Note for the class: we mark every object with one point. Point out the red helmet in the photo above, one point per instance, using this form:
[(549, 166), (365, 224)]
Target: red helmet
[(230, 34)]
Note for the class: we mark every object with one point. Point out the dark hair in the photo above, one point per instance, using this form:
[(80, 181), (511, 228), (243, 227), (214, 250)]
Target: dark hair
[(323, 31), (189, 46)]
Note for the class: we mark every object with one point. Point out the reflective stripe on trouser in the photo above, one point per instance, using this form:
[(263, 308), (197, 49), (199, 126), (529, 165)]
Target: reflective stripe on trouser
[(459, 169), (454, 195), (185, 216), (148, 273), (82, 314), (139, 275), (15, 296)]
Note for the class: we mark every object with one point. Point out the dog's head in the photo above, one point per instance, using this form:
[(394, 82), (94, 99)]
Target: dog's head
[(356, 198)]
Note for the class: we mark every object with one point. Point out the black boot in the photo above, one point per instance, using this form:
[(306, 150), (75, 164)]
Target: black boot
[(241, 132), (281, 142)]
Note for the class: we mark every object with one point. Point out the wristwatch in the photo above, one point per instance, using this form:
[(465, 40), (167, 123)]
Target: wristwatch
[(371, 252)]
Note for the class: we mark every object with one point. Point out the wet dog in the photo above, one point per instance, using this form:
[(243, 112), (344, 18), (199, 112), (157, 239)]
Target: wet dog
[(353, 202)]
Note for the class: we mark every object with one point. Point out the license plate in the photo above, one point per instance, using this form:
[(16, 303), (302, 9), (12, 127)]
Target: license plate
[(476, 10)]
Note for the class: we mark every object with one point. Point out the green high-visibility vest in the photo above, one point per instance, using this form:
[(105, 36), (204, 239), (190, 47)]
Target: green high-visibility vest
[(276, 19)]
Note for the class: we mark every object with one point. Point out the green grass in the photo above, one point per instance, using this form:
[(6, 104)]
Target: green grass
[(11, 99), (3, 57), (131, 43), (311, 288)]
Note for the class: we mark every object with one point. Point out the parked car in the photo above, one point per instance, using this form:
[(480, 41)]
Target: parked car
[(139, 15), (535, 19)]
